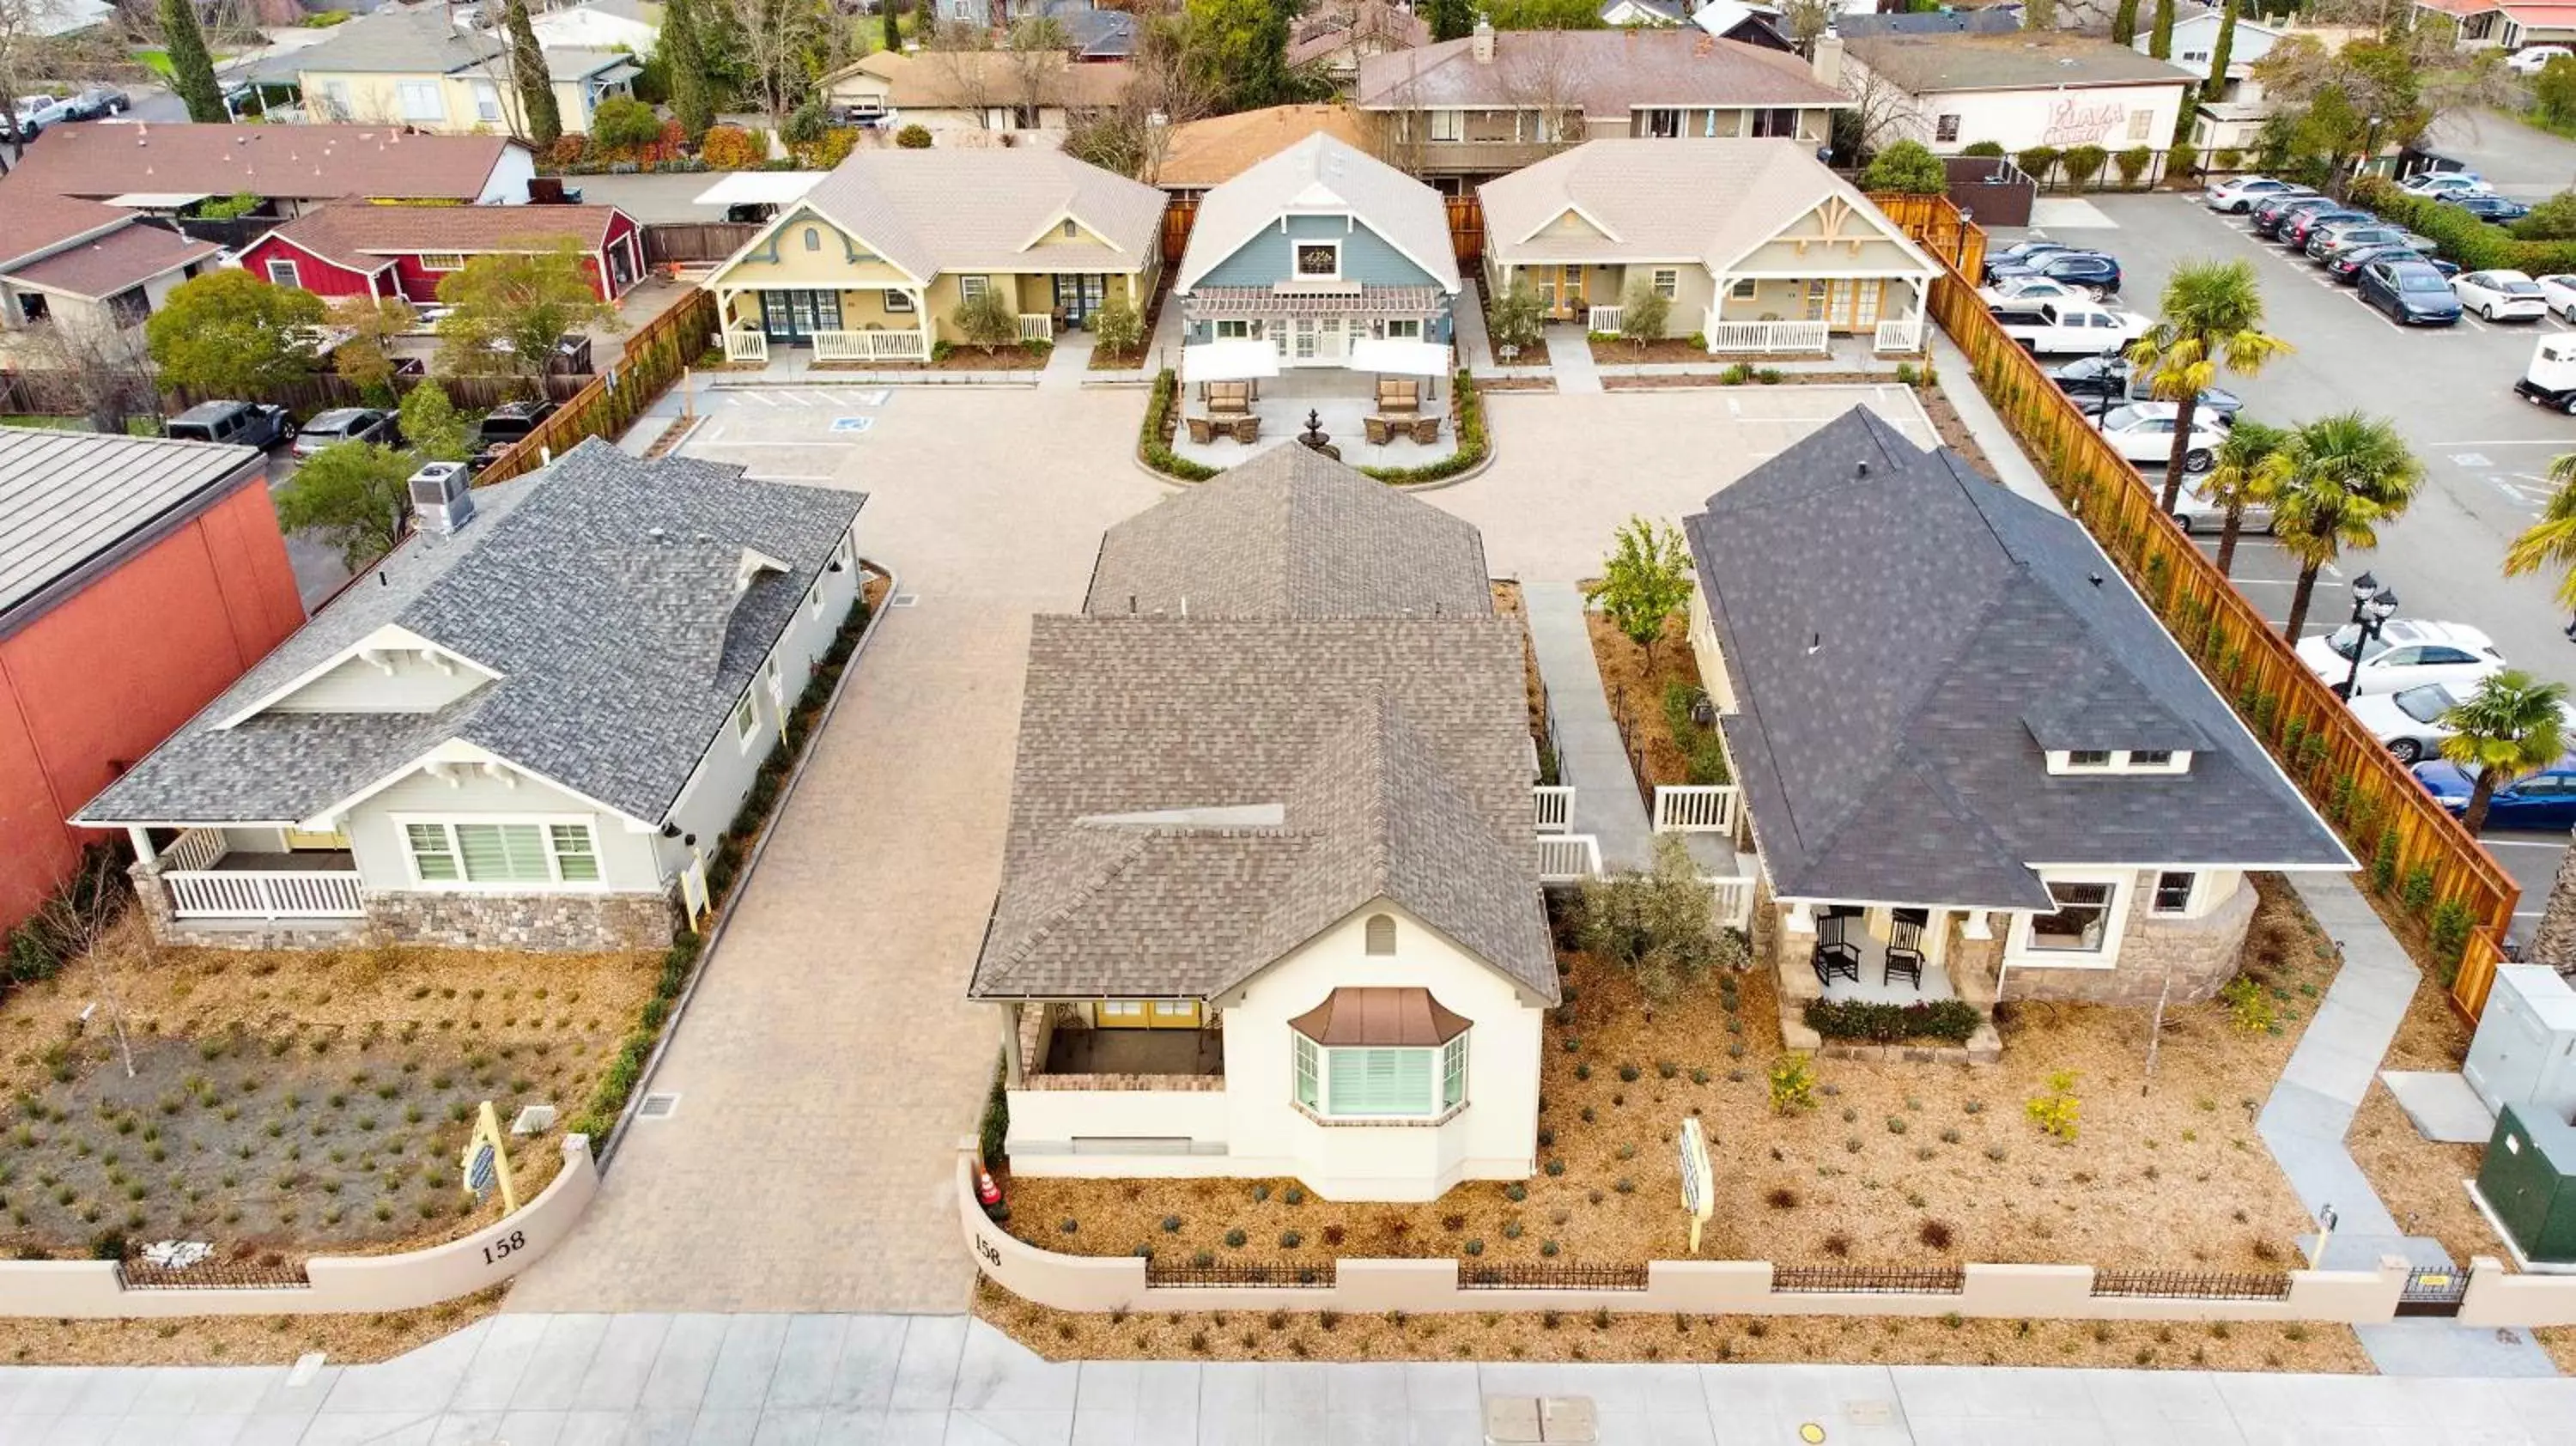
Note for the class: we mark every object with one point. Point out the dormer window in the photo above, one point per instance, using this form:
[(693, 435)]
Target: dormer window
[(2088, 758), (2118, 760)]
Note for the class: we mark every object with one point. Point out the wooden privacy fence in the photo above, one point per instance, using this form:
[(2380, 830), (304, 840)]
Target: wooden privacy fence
[(2414, 851), (654, 358), (1466, 228), (669, 243), (57, 394)]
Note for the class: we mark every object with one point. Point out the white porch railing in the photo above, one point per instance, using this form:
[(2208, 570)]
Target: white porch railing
[(198, 848), (1605, 318), (868, 346), (1903, 335), (1766, 336), (1565, 858), (1695, 807), (1038, 326), (750, 346), (1552, 806), (1732, 905), (246, 894)]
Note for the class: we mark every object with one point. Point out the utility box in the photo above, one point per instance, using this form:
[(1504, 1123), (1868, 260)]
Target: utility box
[(2525, 1049), (2529, 1181)]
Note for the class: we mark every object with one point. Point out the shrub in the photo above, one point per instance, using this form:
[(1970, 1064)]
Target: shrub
[(2229, 158), (1234, 1238), (1944, 1019), (2038, 162), (1793, 1084), (914, 137), (1118, 328), (1654, 924), (623, 123), (730, 148), (1907, 167), (1935, 1233), (2133, 163), (2083, 163), (2181, 160), (2417, 892), (1703, 751), (2383, 862), (1155, 445), (2450, 932), (2248, 1007), (2055, 1112), (1993, 150), (806, 124)]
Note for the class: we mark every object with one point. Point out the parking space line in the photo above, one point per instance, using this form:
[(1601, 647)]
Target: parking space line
[(2518, 843)]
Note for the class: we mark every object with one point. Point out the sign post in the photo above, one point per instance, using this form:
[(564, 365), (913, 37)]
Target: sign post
[(1697, 1197), (487, 1161)]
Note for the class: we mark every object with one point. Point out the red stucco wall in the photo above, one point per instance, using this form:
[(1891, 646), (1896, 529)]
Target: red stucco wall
[(101, 678)]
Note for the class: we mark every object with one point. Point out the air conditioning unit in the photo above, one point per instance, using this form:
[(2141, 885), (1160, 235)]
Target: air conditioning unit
[(442, 495)]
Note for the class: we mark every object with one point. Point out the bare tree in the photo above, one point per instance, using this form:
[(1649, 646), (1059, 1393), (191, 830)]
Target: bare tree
[(1036, 62), (962, 55), (774, 36), (40, 46), (80, 923), (1134, 136), (1886, 112), (108, 368), (1805, 20), (1545, 77)]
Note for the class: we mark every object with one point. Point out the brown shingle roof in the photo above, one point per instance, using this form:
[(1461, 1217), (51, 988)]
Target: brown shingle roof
[(363, 236), (940, 79), (1606, 72), (1210, 152), (2016, 60), (126, 257), (31, 220), (316, 162)]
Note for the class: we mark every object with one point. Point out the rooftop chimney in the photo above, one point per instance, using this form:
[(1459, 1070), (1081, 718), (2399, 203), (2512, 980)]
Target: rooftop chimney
[(1481, 43), (1828, 61)]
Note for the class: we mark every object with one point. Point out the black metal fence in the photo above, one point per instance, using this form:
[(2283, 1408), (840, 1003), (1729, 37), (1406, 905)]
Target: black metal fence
[(1869, 1279), (1550, 1277), (2194, 1284), (214, 1275), (1300, 1275), (2433, 1290)]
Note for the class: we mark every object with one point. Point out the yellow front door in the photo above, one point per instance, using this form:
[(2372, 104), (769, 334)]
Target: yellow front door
[(297, 838), (1146, 1014), (1569, 292)]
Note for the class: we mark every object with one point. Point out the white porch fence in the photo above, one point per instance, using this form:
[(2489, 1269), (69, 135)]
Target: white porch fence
[(1766, 336), (746, 346), (1605, 318), (1902, 335), (1038, 326), (1732, 902), (846, 346), (1695, 808), (1565, 858), (198, 848), (257, 894), (1552, 808)]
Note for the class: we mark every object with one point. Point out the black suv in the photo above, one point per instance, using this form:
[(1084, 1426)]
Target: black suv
[(2094, 380), (245, 424), (2085, 270), (504, 426)]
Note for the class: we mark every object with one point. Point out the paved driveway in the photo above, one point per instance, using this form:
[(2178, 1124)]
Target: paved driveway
[(830, 1060)]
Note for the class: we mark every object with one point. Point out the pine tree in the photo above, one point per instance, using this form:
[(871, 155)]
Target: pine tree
[(528, 72), (2219, 53), (893, 25), (192, 70), (1452, 19), (2160, 39), (2124, 23), (684, 54)]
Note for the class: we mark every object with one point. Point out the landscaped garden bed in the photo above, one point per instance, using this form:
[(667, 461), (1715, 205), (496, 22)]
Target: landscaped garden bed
[(1612, 349), (1652, 702), (239, 1340), (1028, 356)]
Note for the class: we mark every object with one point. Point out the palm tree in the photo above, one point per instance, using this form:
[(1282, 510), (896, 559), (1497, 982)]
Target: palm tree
[(2551, 542), (2252, 467), (2507, 728), (2348, 474), (2213, 318)]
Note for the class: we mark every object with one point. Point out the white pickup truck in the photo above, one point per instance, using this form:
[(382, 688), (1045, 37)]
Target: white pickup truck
[(2061, 326), (36, 112)]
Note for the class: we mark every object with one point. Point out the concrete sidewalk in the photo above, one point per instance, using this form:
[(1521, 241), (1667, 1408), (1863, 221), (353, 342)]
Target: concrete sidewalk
[(559, 1380), (2003, 454), (1588, 751), (1569, 355)]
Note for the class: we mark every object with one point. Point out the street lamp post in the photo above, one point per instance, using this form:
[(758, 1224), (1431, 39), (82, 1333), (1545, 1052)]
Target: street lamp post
[(2372, 607)]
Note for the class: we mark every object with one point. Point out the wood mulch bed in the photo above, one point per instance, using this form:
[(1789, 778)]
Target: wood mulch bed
[(1108, 361), (959, 359), (2161, 1174), (2419, 1179), (1622, 352), (241, 1340), (1635, 691), (1952, 431), (1515, 384)]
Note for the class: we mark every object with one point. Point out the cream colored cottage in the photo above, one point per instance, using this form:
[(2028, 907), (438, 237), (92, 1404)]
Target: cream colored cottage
[(1270, 904), (1757, 247)]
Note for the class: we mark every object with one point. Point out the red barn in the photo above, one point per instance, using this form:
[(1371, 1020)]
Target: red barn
[(355, 249), (139, 577)]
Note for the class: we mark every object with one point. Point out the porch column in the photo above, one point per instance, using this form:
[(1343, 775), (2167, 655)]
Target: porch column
[(141, 838), (1975, 924), (1799, 919), (1011, 1070), (1716, 308), (929, 329)]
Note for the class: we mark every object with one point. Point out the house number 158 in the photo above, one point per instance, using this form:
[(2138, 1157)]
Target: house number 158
[(505, 1247)]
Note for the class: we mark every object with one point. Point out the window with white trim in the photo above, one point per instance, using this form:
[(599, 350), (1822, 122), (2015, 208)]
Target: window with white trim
[(1319, 260), (1453, 1073), (1743, 289), (2173, 892), (814, 599), (769, 678), (972, 288), (420, 100), (487, 101), (1380, 934), (282, 272), (2089, 758), (2142, 124), (442, 261), (1379, 1082), (1945, 129), (746, 721), (1445, 125), (898, 301), (1310, 1072), (2081, 923), (1234, 331), (502, 853), (1404, 329), (1667, 282), (1072, 229)]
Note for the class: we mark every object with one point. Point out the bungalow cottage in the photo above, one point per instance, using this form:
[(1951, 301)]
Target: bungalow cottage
[(1973, 763), (967, 95), (355, 249), (1757, 245), (93, 270), (524, 731), (1316, 249), (1269, 902), (873, 262), (420, 68)]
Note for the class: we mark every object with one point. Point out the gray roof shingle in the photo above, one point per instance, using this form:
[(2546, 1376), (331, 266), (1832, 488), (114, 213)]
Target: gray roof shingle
[(69, 498), (1905, 639), (600, 590)]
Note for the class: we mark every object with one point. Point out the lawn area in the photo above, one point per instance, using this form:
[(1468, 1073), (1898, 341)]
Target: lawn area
[(1896, 1164), (288, 1103)]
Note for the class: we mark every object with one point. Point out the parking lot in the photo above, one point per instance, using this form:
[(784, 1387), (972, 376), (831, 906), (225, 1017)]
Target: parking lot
[(2485, 451)]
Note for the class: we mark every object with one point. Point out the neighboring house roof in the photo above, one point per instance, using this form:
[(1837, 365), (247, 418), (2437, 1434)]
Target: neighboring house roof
[(973, 79), (1904, 639), (1752, 24), (602, 593), (1331, 30), (1710, 201), (1668, 12), (105, 265), (1929, 22), (362, 237), (1204, 153), (1197, 796), (976, 210), (1323, 176), (301, 162), (1094, 34), (2021, 60), (33, 222), (69, 500), (1292, 534), (1605, 72), (421, 42)]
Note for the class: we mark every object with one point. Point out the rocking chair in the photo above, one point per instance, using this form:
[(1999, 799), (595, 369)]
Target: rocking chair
[(1905, 948), (1835, 955)]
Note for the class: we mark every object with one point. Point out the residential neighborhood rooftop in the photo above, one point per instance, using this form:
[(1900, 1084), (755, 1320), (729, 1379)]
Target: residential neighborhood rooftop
[(1905, 639), (302, 162), (104, 265), (363, 237), (1210, 152), (425, 41), (1605, 72), (934, 210), (614, 601), (68, 500), (976, 79), (2018, 60)]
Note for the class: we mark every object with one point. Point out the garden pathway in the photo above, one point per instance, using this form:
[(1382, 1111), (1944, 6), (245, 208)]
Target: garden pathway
[(1068, 363), (1569, 354), (1588, 751)]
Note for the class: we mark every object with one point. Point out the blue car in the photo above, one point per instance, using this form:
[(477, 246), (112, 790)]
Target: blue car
[(2411, 292), (2545, 800)]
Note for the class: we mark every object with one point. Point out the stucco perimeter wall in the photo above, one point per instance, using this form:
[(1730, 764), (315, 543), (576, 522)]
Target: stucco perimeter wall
[(1729, 1287), (91, 1289)]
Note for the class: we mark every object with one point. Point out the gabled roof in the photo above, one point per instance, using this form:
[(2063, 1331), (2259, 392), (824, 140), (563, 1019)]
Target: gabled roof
[(1605, 72), (943, 79), (362, 237), (70, 499), (1291, 533), (1204, 153), (299, 162), (600, 591), (1905, 639), (2019, 60), (106, 264), (422, 41), (1669, 200), (1322, 175), (33, 222), (969, 210)]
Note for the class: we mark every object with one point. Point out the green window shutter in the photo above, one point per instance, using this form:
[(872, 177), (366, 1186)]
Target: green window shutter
[(430, 852), (1379, 1082), (573, 855), (507, 853), (1307, 1068)]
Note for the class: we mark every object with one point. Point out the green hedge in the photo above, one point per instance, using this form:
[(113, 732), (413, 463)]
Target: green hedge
[(2460, 236), (1952, 1020), (993, 1131), (1155, 444)]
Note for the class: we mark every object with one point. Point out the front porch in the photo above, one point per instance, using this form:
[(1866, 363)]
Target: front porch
[(207, 879)]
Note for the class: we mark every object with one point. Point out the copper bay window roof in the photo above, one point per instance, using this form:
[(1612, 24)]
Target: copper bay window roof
[(1380, 1017)]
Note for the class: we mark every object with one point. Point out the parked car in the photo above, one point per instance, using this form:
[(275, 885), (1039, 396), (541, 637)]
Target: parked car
[(2346, 265), (2271, 215), (2409, 721), (2021, 293), (35, 112), (2295, 235), (2544, 800), (2092, 272), (2240, 194), (2094, 379), (2405, 653), (346, 424), (2062, 327), (2533, 59), (2558, 293), (246, 424), (2411, 292), (99, 102), (2018, 252), (505, 425), (2328, 242), (2494, 210), (2444, 184), (2143, 432), (2195, 512), (2501, 295), (2549, 379)]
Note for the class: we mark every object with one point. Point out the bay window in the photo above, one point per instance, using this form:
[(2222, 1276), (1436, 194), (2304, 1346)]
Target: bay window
[(1390, 1054)]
